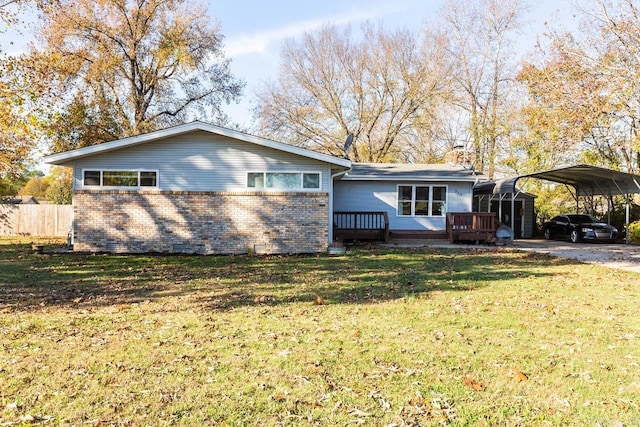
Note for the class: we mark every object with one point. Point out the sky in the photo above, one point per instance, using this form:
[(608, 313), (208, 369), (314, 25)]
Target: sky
[(254, 30)]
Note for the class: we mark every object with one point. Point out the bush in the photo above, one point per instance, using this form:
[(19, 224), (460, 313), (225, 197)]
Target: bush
[(634, 232)]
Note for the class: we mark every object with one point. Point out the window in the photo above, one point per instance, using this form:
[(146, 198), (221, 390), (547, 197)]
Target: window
[(284, 180), (405, 200), (91, 177), (438, 201), (422, 200), (311, 180), (255, 180), (148, 179), (120, 178)]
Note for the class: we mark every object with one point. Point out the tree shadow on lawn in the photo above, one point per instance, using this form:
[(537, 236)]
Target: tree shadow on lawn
[(372, 276), (29, 281)]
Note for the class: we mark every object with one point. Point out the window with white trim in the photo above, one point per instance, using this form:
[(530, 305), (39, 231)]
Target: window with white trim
[(422, 200), (119, 178), (286, 181)]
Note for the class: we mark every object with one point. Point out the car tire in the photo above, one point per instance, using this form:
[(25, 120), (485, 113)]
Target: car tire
[(547, 234), (575, 236)]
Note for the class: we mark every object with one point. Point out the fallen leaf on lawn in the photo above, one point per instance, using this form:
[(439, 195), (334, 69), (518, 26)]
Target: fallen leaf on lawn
[(359, 413), (519, 377), (471, 383)]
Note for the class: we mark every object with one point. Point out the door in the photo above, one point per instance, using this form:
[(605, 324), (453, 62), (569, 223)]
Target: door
[(506, 215)]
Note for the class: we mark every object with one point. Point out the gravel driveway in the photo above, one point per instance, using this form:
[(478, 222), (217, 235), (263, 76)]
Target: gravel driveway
[(621, 256)]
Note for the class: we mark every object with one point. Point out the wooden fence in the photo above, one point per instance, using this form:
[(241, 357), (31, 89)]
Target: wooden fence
[(35, 220)]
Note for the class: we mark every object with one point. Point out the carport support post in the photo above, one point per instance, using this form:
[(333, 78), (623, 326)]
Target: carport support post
[(513, 214), (626, 218)]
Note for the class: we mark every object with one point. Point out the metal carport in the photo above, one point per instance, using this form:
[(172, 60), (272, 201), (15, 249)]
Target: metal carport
[(586, 180)]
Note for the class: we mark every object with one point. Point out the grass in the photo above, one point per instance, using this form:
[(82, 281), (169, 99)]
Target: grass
[(377, 337)]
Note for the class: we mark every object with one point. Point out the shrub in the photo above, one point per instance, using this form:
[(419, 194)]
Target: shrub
[(634, 232)]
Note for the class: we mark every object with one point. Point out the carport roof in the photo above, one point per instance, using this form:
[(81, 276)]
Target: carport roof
[(587, 180)]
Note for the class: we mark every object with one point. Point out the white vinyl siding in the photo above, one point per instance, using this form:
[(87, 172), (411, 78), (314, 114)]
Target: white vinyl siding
[(201, 161), (421, 200)]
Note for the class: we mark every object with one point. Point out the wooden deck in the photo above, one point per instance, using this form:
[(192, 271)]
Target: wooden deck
[(478, 226), (461, 226), (357, 226)]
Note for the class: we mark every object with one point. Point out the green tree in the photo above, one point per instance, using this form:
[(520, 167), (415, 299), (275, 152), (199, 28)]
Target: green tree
[(122, 67), (11, 184), (37, 187), (18, 118), (60, 191)]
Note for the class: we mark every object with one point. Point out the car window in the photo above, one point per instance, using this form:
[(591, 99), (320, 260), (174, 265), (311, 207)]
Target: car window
[(559, 219), (580, 219)]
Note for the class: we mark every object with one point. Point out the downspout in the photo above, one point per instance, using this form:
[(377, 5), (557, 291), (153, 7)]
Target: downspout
[(71, 237), (333, 176)]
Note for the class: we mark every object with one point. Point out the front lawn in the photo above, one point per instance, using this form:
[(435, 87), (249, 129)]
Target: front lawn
[(377, 337)]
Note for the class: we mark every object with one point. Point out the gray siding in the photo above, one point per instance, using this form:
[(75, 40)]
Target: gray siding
[(382, 196), (201, 161)]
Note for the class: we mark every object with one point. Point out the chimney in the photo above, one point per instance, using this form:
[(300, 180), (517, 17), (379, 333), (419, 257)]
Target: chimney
[(459, 155)]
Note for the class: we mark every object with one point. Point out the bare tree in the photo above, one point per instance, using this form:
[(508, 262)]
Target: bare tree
[(479, 44), (331, 85)]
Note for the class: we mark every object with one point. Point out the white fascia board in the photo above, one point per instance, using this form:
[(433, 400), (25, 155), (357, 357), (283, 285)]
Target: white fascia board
[(67, 156), (409, 179)]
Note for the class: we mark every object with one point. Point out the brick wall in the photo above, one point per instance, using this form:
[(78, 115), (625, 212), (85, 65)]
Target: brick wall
[(200, 222)]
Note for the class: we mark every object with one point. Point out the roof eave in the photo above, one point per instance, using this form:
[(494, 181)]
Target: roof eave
[(68, 156), (412, 178)]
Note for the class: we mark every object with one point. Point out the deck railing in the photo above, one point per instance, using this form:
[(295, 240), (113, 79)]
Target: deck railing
[(361, 226), (471, 226)]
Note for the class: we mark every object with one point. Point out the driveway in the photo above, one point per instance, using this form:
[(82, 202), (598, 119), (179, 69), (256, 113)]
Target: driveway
[(621, 256)]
